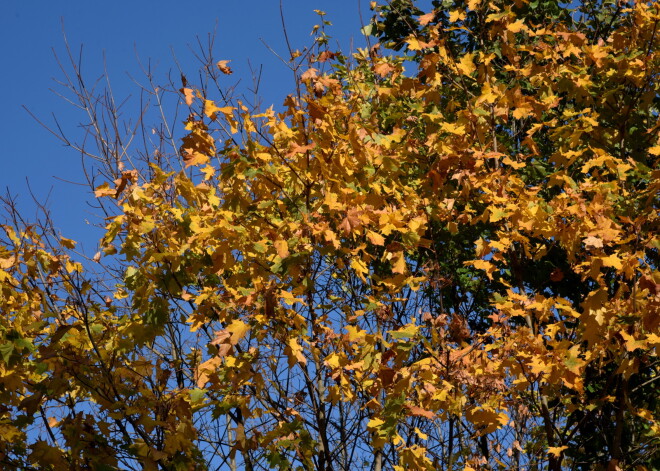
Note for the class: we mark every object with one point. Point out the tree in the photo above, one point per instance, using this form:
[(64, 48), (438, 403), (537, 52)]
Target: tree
[(454, 267)]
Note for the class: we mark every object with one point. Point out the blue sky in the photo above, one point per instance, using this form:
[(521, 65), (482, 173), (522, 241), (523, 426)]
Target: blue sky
[(30, 30)]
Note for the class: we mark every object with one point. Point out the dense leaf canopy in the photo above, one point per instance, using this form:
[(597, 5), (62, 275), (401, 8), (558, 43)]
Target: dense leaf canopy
[(441, 252)]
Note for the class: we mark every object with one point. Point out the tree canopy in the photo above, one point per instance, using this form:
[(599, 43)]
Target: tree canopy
[(441, 252)]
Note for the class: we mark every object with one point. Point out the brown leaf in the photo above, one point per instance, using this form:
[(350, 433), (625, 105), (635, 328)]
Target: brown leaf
[(557, 275), (309, 74), (326, 55), (222, 65)]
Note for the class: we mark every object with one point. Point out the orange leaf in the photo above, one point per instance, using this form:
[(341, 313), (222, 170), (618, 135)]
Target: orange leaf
[(375, 238), (282, 248), (309, 74), (426, 19), (383, 68), (419, 412), (222, 65), (189, 95)]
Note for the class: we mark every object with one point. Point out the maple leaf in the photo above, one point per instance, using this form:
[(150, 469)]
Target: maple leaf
[(295, 353), (189, 95), (282, 248), (426, 18), (375, 238), (485, 265), (191, 157), (612, 261), (383, 68), (104, 190), (309, 74), (418, 411), (557, 450), (466, 64), (593, 241), (456, 15), (223, 67), (338, 256), (517, 26)]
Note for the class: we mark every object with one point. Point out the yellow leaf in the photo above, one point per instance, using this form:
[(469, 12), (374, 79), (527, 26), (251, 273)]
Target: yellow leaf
[(295, 353), (68, 243), (612, 261), (359, 266), (399, 263), (354, 333), (421, 434), (211, 110), (522, 111), (375, 238), (512, 163), (407, 332), (332, 360), (632, 343), (282, 248), (206, 369), (383, 68), (194, 158), (456, 15), (237, 329), (104, 190), (556, 450), (375, 423), (466, 64), (453, 128), (485, 265), (414, 45), (517, 26)]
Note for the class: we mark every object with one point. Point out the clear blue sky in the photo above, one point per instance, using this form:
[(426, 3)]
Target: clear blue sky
[(31, 29)]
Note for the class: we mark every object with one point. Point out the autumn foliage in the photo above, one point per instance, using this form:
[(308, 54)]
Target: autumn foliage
[(441, 252)]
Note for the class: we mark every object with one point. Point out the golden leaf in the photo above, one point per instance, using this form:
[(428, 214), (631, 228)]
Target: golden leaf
[(282, 248), (556, 450), (466, 64), (517, 26), (375, 238)]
